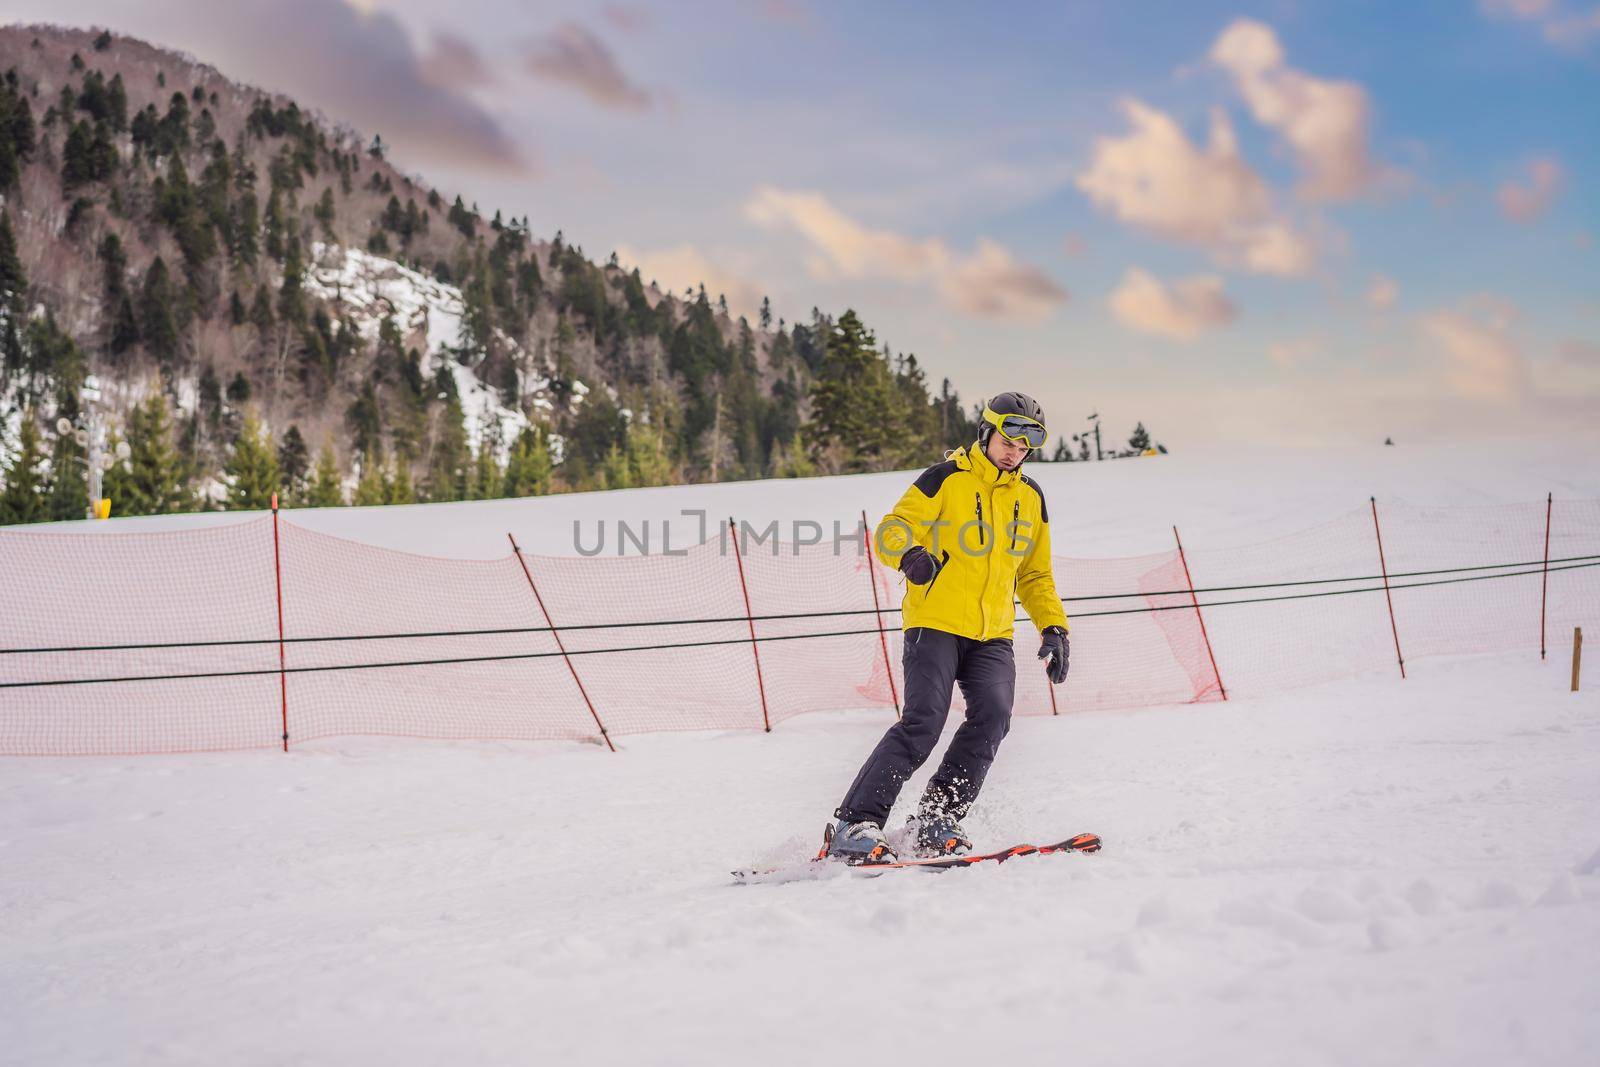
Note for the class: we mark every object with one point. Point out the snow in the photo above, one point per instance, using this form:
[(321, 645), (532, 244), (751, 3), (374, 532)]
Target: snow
[(372, 288), (1366, 873), (1372, 871)]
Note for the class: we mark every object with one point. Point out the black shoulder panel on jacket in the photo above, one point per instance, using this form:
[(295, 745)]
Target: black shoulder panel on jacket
[(931, 479), (1044, 512)]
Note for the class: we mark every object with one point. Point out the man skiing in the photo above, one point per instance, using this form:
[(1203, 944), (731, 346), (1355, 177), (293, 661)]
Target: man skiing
[(971, 534)]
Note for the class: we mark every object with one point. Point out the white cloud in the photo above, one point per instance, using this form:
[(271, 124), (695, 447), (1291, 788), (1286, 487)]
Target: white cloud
[(1273, 248), (685, 265), (844, 247), (1525, 203), (994, 284), (1182, 311), (1383, 293), (988, 283), (1572, 30), (1482, 358), (1155, 178), (1324, 122)]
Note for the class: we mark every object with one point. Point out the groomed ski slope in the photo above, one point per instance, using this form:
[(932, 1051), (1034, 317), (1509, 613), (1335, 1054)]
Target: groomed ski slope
[(1366, 872)]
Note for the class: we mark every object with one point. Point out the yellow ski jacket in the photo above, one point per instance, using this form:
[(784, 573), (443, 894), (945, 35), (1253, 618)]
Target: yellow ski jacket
[(990, 532)]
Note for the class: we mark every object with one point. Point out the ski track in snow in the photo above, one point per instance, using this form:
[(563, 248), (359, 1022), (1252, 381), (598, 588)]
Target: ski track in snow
[(1369, 872)]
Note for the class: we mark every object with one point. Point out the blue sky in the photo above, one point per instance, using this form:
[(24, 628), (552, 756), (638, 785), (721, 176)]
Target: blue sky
[(1261, 222)]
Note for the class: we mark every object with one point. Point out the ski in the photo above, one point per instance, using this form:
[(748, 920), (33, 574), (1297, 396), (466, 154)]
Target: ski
[(822, 867)]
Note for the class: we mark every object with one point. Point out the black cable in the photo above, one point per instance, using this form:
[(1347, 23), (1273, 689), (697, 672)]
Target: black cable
[(573, 627), (1331, 592), (742, 640), (1336, 581)]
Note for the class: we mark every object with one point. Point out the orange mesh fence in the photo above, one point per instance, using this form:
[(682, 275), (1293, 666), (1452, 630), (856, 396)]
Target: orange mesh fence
[(178, 599), (660, 642), (458, 679), (1295, 610), (169, 642), (799, 590), (1573, 598), (1124, 654)]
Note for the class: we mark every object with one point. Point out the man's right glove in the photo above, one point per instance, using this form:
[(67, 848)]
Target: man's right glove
[(1055, 650), (918, 565)]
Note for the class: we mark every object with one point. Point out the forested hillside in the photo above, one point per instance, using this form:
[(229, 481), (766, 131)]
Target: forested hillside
[(259, 300)]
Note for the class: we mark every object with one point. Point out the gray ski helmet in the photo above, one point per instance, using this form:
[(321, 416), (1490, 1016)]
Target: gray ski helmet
[(1003, 404)]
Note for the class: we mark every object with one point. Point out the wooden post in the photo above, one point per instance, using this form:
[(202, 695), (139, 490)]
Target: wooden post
[(1544, 583), (1196, 601), (1577, 654), (1395, 630), (883, 639), (749, 617), (526, 573), (277, 574)]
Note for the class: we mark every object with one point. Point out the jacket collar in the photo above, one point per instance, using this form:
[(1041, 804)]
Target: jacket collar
[(972, 458)]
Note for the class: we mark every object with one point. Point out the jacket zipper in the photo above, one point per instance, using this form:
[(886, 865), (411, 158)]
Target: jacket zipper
[(977, 499), (1016, 520)]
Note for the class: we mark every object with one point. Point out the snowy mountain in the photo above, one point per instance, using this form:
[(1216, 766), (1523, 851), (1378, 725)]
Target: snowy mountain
[(216, 248)]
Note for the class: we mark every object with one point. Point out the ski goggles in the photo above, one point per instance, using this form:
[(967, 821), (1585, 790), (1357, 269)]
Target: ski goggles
[(1018, 428)]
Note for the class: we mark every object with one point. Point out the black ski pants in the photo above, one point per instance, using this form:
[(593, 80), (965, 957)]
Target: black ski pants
[(934, 660)]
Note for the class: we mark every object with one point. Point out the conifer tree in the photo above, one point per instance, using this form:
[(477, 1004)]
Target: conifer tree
[(151, 480), (372, 489), (23, 499), (13, 297), (397, 486), (291, 296), (855, 411), (294, 463), (1139, 442), (528, 467), (450, 457), (158, 323), (325, 213), (324, 490), (614, 469), (648, 459), (77, 164), (252, 468), (488, 479)]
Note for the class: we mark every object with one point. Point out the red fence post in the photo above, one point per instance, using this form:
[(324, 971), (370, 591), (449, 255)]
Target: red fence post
[(749, 617), (1196, 602), (277, 574), (1544, 582), (883, 640), (1386, 595), (526, 573)]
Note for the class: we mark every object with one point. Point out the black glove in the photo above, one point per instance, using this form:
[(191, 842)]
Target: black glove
[(918, 565), (1054, 649)]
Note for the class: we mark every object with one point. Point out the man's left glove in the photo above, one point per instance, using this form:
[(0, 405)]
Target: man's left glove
[(1054, 650)]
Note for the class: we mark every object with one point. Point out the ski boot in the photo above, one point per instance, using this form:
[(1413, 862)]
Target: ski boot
[(856, 843), (937, 834)]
